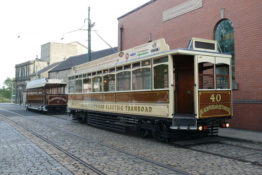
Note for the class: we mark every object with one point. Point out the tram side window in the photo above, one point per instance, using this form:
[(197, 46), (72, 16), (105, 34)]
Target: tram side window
[(97, 84), (78, 88), (87, 85), (71, 87), (161, 76), (52, 90), (109, 82), (123, 81), (61, 90), (49, 90), (141, 79), (222, 76), (206, 75), (34, 92)]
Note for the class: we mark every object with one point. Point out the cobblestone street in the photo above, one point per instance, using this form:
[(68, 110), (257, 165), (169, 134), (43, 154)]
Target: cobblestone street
[(20, 156), (34, 143)]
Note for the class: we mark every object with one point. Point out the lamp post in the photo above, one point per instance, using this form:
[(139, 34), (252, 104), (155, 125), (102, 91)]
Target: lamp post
[(89, 27), (89, 35)]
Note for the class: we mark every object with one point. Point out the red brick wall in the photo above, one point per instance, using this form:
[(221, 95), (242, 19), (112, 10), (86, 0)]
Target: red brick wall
[(246, 16), (247, 116)]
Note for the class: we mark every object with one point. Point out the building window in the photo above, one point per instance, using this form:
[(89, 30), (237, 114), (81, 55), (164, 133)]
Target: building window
[(22, 72), (224, 34)]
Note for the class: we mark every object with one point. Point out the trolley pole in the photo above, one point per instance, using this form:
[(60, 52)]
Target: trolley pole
[(89, 35)]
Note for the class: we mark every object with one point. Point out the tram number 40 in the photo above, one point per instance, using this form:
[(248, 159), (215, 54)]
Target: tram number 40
[(215, 98)]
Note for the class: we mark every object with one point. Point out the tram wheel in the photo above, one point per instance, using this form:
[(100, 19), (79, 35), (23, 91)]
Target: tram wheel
[(144, 133), (160, 132)]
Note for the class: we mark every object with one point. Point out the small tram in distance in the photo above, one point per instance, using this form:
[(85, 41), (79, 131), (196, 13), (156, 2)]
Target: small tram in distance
[(46, 95), (155, 91)]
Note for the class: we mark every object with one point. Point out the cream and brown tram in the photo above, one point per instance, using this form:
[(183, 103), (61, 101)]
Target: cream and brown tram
[(46, 95), (155, 90)]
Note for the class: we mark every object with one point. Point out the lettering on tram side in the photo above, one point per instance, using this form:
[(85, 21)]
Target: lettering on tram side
[(122, 108), (57, 98), (139, 108), (214, 107)]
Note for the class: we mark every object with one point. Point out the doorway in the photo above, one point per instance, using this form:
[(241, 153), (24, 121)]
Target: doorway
[(184, 84)]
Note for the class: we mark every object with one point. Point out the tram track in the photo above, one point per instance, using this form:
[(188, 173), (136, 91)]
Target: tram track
[(89, 166), (243, 147), (159, 164), (192, 148), (241, 140)]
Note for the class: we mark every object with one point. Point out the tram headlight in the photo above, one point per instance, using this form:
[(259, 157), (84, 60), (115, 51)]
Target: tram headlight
[(200, 128), (227, 125)]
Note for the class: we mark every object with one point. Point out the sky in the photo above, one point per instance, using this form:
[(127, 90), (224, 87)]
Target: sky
[(27, 24)]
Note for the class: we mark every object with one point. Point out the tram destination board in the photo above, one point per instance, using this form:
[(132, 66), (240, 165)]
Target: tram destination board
[(214, 104)]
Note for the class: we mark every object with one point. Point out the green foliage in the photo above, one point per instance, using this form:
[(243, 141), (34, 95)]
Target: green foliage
[(4, 100), (6, 91)]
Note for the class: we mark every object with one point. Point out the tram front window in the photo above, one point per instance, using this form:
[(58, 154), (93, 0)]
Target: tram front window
[(222, 76), (206, 75)]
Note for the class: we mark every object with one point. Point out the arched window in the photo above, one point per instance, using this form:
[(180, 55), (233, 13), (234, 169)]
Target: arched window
[(224, 34)]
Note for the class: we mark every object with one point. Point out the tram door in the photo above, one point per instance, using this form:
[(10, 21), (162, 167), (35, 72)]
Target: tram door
[(184, 84)]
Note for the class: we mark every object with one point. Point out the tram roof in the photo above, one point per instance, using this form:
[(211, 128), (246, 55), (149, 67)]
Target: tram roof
[(154, 49), (38, 83), (186, 51), (179, 51)]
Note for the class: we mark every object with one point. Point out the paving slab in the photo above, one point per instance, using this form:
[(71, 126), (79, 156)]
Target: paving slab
[(255, 136)]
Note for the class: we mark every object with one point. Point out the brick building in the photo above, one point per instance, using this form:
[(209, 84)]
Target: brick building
[(237, 25)]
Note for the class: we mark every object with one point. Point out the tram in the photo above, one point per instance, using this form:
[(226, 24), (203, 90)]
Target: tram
[(155, 90), (46, 95)]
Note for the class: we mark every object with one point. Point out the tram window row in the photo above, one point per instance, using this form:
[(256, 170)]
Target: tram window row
[(145, 76), (142, 75)]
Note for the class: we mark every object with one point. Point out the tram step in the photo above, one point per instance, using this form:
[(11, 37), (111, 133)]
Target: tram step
[(184, 123)]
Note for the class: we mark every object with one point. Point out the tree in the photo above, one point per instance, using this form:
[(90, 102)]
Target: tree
[(6, 90)]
